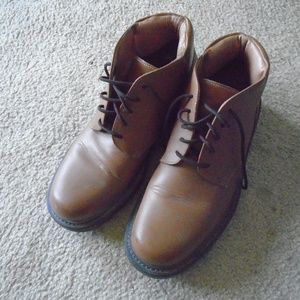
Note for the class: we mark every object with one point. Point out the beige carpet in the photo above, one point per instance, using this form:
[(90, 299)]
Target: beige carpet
[(51, 54)]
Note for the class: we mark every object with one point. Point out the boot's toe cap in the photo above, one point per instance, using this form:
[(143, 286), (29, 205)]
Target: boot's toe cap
[(161, 234), (81, 190), (76, 204)]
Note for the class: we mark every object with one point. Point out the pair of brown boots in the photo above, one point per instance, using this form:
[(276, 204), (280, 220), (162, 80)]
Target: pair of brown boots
[(204, 110)]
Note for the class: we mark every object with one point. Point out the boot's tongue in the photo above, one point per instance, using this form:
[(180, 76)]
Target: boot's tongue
[(129, 72), (137, 68), (214, 94)]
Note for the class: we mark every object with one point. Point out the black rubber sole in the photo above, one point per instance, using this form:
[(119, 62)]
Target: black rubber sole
[(99, 220), (169, 271)]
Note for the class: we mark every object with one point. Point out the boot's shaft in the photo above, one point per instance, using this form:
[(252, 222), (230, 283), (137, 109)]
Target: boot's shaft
[(156, 54), (229, 77)]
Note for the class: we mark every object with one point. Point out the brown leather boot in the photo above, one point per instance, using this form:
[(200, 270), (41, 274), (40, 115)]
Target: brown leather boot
[(193, 193), (104, 165)]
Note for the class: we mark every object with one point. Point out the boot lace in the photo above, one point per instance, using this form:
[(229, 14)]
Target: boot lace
[(122, 98), (200, 139)]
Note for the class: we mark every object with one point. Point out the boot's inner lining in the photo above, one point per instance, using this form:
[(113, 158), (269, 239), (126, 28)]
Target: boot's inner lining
[(235, 61), (157, 41), (234, 74), (162, 56), (152, 43), (232, 64)]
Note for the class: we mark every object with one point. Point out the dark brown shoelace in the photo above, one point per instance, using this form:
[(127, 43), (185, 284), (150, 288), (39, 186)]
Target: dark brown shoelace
[(121, 98), (186, 124)]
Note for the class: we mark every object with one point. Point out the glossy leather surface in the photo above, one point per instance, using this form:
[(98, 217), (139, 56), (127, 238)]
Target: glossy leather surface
[(99, 169), (91, 176), (183, 205)]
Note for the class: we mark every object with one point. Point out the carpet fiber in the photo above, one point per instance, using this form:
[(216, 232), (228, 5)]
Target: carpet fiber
[(51, 54)]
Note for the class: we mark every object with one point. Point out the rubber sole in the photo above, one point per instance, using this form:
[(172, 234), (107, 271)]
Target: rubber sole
[(168, 271), (103, 217)]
